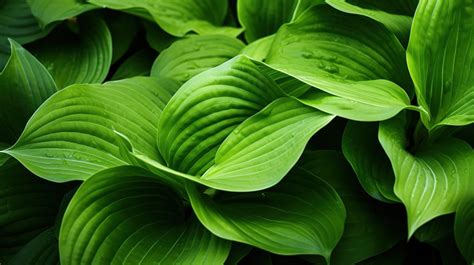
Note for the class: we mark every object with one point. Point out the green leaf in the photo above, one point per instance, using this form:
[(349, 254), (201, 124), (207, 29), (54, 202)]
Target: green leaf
[(395, 15), (28, 205), (441, 61), (123, 29), (190, 56), (300, 215), (41, 250), (304, 5), (49, 11), (138, 64), (24, 84), (178, 17), (369, 161), (226, 96), (365, 232), (71, 136), (156, 37), (436, 230), (77, 58), (259, 49), (345, 56), (122, 216), (430, 180), (264, 17), (260, 151), (464, 229), (17, 22)]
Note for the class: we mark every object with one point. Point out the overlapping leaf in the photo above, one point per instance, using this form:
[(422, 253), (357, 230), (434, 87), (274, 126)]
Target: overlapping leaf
[(344, 56), (71, 136), (84, 57), (138, 64), (433, 179), (193, 55), (49, 11), (123, 216), (441, 61), (43, 249), (300, 215)]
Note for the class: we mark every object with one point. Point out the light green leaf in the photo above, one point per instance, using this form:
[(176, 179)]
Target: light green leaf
[(207, 108), (49, 11), (303, 5), (344, 55), (28, 205), (123, 29), (441, 61), (17, 22), (430, 180), (300, 215), (121, 216), (178, 17), (190, 56), (464, 229), (395, 15), (138, 64), (24, 85), (71, 135), (365, 232), (41, 250), (263, 17), (260, 151), (259, 49), (77, 58), (369, 161)]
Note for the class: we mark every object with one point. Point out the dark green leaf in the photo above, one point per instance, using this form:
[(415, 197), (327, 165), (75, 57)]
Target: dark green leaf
[(464, 229), (138, 64)]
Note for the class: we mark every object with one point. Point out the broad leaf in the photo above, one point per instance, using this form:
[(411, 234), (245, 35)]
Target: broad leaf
[(41, 250), (304, 5), (300, 215), (17, 22), (207, 108), (49, 11), (190, 56), (344, 55), (368, 160), (395, 15), (77, 58), (123, 29), (435, 230), (365, 232), (138, 64), (264, 17), (441, 61), (157, 38), (178, 17), (259, 49), (464, 229), (24, 84), (121, 216), (71, 136), (430, 180), (28, 205)]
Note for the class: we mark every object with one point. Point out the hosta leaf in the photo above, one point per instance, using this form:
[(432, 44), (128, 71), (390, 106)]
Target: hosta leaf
[(435, 230), (48, 11), (432, 180), (207, 108), (464, 229), (263, 17), (178, 17), (123, 29), (157, 38), (190, 56), (441, 61), (368, 160), (395, 15), (303, 5), (259, 49), (260, 151), (41, 250), (24, 84), (28, 205), (343, 55), (71, 135), (17, 22), (300, 215), (138, 64), (77, 58), (121, 216), (365, 232)]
